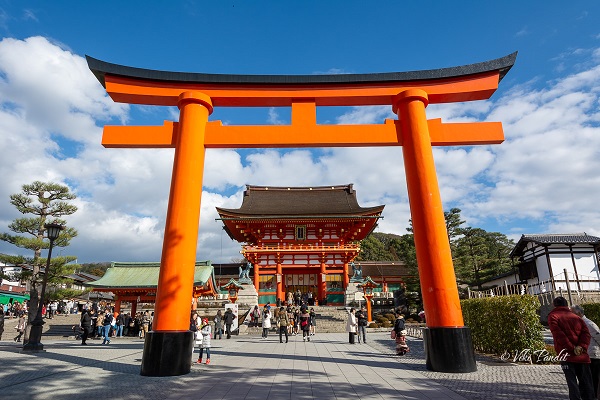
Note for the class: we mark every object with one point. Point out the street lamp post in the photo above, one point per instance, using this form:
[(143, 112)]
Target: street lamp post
[(37, 325)]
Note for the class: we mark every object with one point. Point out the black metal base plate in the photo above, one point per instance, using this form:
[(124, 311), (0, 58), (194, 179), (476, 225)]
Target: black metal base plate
[(449, 350), (167, 353)]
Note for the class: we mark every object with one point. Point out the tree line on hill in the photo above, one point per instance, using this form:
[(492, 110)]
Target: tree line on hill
[(477, 254)]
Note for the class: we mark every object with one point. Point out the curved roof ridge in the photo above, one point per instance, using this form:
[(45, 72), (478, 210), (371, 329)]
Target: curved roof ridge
[(101, 68), (303, 188), (325, 201)]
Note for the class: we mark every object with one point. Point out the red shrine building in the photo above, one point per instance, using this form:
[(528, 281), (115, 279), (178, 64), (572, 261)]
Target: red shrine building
[(300, 238)]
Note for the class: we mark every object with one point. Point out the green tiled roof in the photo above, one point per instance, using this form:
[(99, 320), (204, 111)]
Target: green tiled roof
[(145, 275)]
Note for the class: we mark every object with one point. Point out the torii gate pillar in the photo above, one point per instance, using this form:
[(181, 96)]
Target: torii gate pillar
[(448, 344), (168, 346)]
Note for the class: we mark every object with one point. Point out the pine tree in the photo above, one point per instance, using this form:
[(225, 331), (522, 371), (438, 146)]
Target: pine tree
[(45, 202)]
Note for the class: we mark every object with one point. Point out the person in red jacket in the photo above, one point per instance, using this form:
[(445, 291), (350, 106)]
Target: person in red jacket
[(572, 338)]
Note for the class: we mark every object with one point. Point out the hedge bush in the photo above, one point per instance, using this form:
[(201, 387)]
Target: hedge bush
[(504, 323), (592, 311)]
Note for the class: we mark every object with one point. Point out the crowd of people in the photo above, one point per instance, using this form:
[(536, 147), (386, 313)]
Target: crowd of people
[(298, 298), (14, 309), (105, 323), (289, 320)]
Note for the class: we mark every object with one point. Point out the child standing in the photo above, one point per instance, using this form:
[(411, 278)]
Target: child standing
[(205, 333)]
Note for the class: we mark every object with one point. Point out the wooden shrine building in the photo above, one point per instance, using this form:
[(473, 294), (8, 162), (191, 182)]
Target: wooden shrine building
[(136, 282), (300, 238)]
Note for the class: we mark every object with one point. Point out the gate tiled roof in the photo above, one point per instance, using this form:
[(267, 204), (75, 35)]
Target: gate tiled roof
[(269, 201)]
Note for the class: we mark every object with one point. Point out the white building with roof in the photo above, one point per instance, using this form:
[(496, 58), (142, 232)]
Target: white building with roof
[(549, 262)]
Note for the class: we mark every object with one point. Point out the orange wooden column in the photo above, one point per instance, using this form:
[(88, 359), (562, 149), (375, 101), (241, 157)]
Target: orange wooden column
[(346, 276), (436, 272), (256, 277), (279, 282), (322, 292), (176, 279)]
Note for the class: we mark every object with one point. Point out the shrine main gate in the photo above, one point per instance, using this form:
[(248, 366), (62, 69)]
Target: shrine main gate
[(168, 347)]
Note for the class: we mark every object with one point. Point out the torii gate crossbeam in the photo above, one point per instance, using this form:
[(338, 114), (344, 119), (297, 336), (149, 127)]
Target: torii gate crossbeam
[(168, 347)]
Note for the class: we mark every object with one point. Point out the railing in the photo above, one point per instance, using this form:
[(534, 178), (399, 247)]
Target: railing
[(414, 331), (565, 281), (303, 247)]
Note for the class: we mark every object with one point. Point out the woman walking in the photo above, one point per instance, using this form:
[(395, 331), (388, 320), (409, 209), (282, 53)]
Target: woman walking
[(21, 326), (351, 325), (399, 335), (218, 325), (266, 322), (254, 317), (305, 324)]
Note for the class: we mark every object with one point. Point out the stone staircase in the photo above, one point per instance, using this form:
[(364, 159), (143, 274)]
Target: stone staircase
[(329, 320), (58, 327)]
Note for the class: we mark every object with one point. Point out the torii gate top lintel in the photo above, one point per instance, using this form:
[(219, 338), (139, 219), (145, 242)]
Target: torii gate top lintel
[(144, 86)]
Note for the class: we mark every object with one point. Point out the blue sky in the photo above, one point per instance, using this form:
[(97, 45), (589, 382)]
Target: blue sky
[(543, 179)]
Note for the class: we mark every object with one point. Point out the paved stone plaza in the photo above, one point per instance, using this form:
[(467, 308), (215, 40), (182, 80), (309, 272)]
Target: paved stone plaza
[(247, 367)]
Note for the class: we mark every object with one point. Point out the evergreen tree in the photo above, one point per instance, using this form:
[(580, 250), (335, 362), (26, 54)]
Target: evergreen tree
[(477, 254), (481, 255), (372, 248), (453, 226), (43, 201)]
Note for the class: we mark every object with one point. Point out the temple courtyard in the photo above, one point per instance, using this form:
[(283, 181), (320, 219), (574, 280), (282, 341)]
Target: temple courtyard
[(248, 367)]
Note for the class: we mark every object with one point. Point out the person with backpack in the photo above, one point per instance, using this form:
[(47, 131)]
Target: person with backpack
[(305, 324), (283, 323)]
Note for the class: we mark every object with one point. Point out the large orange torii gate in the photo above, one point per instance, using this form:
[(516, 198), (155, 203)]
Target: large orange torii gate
[(168, 347)]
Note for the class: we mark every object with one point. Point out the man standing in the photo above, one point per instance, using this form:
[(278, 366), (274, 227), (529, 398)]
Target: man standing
[(145, 324), (572, 338), (120, 323), (86, 325), (361, 316), (228, 318), (283, 324)]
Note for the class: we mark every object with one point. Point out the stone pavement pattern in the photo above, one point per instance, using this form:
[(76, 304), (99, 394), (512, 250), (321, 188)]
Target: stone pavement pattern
[(247, 367)]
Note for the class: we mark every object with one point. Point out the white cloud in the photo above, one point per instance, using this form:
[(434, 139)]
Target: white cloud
[(274, 117), (544, 173)]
